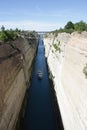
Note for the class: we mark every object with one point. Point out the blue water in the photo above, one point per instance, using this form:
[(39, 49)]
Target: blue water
[(39, 113)]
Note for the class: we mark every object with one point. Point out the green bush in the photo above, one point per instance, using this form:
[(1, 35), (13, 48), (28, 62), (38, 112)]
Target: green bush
[(11, 34), (8, 35), (85, 70), (57, 47), (3, 36), (80, 26), (71, 27)]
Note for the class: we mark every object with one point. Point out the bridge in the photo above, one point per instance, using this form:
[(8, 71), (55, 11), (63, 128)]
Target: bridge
[(42, 32)]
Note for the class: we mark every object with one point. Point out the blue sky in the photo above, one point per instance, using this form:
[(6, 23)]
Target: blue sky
[(41, 14)]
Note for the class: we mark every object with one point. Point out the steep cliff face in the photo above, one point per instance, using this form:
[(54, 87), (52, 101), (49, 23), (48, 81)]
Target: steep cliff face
[(70, 82), (16, 61)]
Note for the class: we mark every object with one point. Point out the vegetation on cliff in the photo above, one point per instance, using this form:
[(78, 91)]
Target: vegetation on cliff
[(71, 27), (85, 70), (8, 35), (11, 35), (57, 46)]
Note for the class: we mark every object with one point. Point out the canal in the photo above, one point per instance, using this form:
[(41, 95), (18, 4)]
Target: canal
[(39, 112)]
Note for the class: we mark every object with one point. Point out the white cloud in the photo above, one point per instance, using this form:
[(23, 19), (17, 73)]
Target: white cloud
[(30, 25)]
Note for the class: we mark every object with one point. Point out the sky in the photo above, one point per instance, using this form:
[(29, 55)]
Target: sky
[(41, 15)]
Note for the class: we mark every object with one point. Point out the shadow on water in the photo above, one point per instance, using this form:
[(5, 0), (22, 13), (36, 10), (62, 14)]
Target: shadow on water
[(41, 112)]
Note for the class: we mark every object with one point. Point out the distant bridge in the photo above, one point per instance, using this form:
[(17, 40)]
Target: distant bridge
[(43, 32)]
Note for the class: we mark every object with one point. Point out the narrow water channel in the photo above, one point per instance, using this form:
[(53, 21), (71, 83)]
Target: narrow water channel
[(39, 112)]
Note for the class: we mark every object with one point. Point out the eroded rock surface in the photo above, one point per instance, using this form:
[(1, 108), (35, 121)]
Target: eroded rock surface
[(69, 80), (16, 59)]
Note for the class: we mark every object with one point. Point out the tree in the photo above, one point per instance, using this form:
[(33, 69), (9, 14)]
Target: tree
[(69, 25), (2, 28), (80, 26)]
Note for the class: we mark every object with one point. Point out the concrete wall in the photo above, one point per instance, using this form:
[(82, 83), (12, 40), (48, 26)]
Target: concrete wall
[(69, 80)]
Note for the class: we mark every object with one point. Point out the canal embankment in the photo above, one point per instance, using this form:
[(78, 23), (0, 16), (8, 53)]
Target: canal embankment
[(15, 74), (56, 109), (66, 58)]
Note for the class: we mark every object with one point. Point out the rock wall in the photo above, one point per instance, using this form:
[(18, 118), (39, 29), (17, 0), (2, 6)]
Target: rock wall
[(15, 72), (69, 80)]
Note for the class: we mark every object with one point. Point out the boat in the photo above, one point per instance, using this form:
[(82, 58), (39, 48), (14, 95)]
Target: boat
[(40, 74)]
